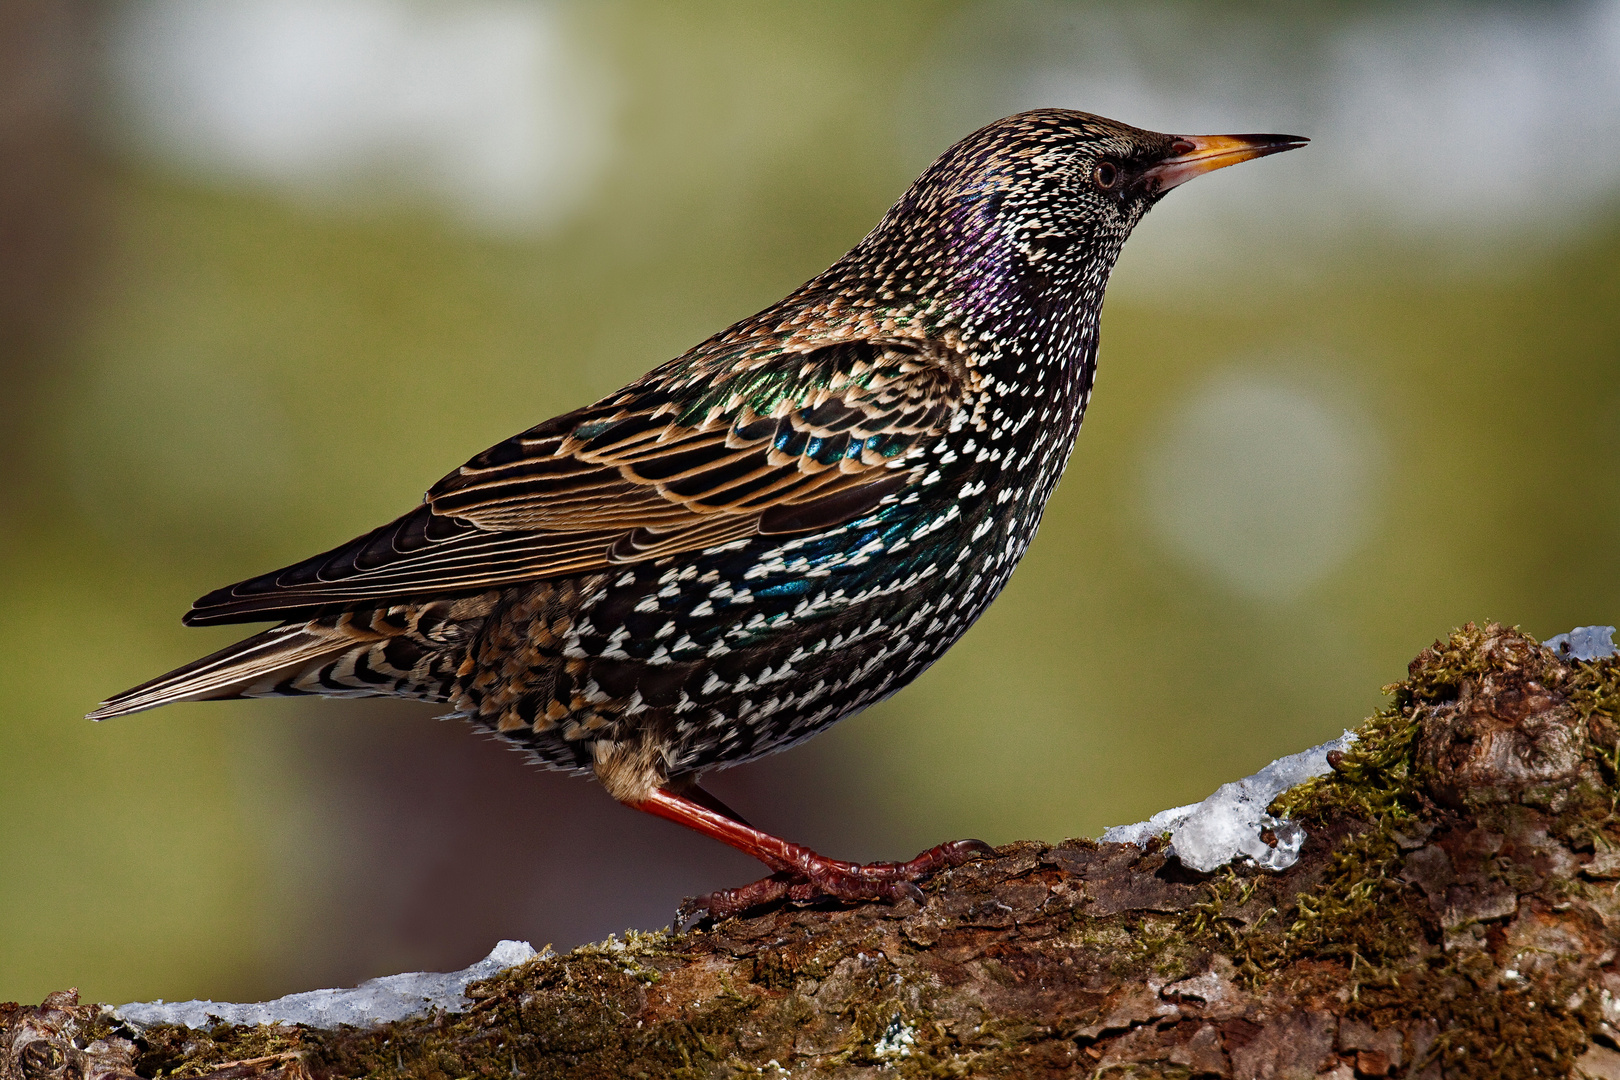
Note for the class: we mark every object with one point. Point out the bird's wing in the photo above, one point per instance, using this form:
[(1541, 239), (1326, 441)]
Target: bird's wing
[(682, 460)]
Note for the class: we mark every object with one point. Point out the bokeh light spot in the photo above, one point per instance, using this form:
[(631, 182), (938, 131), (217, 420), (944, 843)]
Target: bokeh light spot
[(487, 108), (1260, 484)]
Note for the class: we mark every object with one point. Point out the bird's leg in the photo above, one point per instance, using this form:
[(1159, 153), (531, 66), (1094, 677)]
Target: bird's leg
[(800, 874), (690, 791)]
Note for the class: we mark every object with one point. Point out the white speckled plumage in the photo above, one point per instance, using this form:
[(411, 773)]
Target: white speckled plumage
[(768, 533)]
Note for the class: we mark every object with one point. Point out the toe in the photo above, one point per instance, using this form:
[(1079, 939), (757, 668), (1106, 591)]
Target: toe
[(904, 890), (692, 911), (958, 852)]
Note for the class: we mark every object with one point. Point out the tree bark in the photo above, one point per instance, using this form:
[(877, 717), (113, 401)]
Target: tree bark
[(1453, 913)]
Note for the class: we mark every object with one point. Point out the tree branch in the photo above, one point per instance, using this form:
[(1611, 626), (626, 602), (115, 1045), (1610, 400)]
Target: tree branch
[(1453, 913)]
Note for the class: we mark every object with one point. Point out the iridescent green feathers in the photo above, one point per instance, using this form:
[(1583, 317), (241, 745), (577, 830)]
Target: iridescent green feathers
[(791, 442), (768, 533)]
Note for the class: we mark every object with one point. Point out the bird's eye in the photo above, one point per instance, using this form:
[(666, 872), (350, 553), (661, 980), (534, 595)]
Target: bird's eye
[(1106, 176)]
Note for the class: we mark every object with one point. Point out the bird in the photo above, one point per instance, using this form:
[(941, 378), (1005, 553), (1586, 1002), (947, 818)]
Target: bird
[(762, 536)]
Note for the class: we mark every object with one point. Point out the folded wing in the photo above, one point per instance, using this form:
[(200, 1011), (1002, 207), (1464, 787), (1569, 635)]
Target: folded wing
[(679, 461)]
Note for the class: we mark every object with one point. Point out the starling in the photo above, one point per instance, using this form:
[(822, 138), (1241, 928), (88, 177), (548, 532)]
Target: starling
[(764, 535)]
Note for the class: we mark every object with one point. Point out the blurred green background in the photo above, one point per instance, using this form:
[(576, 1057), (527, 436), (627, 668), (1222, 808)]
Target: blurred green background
[(271, 267)]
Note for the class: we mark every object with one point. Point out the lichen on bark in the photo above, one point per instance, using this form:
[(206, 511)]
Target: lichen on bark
[(1453, 914)]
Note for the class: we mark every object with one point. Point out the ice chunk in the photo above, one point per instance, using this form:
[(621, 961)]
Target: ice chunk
[(376, 1001), (1583, 643), (1210, 834)]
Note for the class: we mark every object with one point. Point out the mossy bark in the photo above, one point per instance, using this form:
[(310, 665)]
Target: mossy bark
[(1453, 914)]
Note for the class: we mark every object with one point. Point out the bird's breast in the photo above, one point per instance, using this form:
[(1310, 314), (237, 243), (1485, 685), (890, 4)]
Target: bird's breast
[(738, 650)]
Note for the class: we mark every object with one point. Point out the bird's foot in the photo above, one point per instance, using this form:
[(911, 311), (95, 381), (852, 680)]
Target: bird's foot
[(816, 877)]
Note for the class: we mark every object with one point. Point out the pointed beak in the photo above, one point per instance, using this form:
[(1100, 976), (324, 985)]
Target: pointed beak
[(1194, 155)]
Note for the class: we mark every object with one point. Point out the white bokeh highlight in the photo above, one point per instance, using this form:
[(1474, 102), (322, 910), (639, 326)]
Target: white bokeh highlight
[(483, 107), (1419, 114), (1263, 485), (1453, 125)]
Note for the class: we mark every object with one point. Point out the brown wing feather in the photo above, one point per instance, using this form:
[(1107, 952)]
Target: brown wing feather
[(626, 480)]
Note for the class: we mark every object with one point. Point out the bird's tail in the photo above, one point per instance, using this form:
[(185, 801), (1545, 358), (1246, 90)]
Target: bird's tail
[(410, 652)]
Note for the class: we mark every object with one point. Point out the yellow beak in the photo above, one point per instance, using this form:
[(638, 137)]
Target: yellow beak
[(1199, 154)]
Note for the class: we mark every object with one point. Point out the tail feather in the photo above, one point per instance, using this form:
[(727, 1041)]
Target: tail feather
[(405, 651), (230, 673)]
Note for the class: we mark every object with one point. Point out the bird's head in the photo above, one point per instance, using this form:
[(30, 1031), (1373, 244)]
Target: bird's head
[(1043, 200)]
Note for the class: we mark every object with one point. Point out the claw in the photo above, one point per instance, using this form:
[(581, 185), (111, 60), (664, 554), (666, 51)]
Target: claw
[(688, 914), (961, 851), (819, 878)]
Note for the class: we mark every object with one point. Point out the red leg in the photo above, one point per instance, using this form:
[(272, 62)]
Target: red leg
[(801, 874), (692, 793)]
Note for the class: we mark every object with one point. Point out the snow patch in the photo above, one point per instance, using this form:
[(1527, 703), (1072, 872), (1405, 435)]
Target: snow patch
[(1207, 835), (1583, 643), (1229, 824), (896, 1042), (376, 1001)]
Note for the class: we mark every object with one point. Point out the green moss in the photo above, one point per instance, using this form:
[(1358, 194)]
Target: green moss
[(629, 951), (171, 1051), (1152, 943), (1594, 690), (1364, 916), (1371, 781), (1358, 913), (1215, 921), (1485, 1030), (1348, 915), (1374, 779)]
